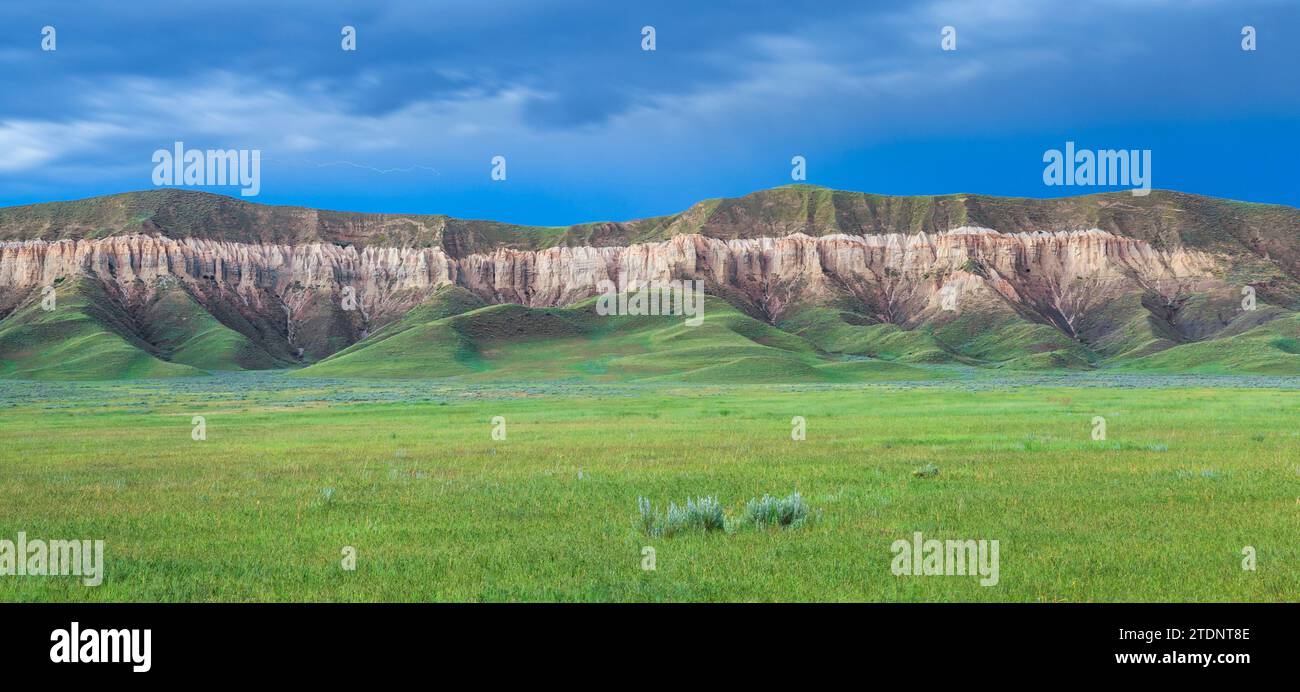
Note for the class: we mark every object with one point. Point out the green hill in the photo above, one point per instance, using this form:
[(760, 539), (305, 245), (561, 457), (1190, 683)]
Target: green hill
[(86, 337), (1272, 348), (517, 343), (988, 335), (181, 331)]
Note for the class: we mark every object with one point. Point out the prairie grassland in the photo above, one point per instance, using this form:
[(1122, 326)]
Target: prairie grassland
[(294, 470)]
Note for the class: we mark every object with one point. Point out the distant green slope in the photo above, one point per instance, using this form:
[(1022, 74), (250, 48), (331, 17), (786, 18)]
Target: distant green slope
[(445, 302), (419, 342), (849, 332), (989, 336), (86, 337), (517, 343), (1272, 348), (183, 332)]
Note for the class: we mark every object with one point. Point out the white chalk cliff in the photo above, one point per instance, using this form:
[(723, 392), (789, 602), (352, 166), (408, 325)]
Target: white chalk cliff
[(894, 278)]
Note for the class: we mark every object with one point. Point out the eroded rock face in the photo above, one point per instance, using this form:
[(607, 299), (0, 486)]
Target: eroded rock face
[(1057, 276)]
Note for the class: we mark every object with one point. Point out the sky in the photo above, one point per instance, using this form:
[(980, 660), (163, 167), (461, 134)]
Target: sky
[(593, 127)]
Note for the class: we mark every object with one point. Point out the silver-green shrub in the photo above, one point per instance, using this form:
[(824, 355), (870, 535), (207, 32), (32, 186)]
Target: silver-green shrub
[(699, 514), (787, 512)]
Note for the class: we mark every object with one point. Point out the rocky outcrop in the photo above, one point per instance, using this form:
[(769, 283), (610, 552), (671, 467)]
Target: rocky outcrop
[(895, 278)]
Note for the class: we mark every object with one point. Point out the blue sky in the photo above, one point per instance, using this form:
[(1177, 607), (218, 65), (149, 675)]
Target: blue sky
[(595, 128)]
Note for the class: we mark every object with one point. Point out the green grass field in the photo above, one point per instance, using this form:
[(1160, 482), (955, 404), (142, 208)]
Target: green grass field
[(293, 469)]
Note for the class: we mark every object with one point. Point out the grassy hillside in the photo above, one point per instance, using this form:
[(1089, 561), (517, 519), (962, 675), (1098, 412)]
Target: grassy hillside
[(987, 336), (91, 336), (454, 334), (86, 337), (517, 343), (183, 332), (1272, 348), (848, 332), (996, 335)]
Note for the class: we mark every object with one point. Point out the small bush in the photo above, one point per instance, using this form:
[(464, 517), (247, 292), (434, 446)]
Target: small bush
[(649, 517), (788, 513), (704, 514), (701, 514)]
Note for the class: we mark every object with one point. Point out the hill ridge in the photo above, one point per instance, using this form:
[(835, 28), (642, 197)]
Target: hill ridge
[(1163, 218), (1081, 287)]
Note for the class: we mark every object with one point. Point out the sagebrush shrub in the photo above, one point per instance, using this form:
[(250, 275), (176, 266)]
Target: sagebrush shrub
[(649, 517), (704, 514), (786, 512), (699, 514)]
